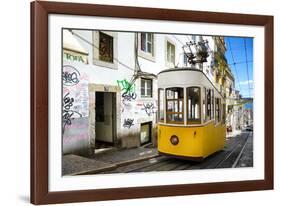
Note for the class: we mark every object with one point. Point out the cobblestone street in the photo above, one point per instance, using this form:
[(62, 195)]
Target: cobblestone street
[(238, 152)]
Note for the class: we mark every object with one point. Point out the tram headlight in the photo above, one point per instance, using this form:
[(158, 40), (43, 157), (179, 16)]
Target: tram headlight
[(174, 140)]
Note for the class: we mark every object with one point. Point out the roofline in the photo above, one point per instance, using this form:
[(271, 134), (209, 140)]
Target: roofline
[(190, 69), (180, 69)]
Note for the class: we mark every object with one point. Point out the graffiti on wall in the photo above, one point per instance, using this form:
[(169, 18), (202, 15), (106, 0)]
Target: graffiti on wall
[(127, 97), (131, 106), (128, 123), (68, 112), (128, 91), (149, 108), (75, 103), (70, 76), (77, 86), (126, 86)]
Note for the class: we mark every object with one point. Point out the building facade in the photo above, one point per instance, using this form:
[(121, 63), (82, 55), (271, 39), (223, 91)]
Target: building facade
[(110, 84)]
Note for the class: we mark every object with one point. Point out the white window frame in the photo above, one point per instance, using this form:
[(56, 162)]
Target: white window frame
[(96, 59), (168, 63), (145, 88), (147, 55)]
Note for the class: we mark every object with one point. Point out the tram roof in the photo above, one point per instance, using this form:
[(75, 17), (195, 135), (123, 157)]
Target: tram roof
[(180, 69), (190, 69)]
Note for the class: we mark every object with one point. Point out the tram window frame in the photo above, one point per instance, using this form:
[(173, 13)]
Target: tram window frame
[(159, 103), (217, 110), (193, 120), (208, 104), (212, 104), (223, 113), (204, 104), (177, 100)]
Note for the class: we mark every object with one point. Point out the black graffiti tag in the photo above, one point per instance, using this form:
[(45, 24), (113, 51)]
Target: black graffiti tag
[(67, 113), (70, 76), (128, 123), (129, 96), (149, 108)]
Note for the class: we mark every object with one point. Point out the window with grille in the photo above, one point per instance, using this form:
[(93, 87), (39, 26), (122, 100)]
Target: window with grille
[(105, 47)]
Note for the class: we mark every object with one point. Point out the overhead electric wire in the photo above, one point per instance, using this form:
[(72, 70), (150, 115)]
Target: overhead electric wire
[(242, 62), (85, 40), (234, 63), (176, 65), (178, 40), (245, 45), (209, 50), (133, 69)]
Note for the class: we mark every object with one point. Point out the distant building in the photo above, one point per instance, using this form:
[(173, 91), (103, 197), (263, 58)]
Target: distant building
[(237, 122)]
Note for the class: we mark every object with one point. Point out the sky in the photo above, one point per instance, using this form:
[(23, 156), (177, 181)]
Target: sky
[(238, 59)]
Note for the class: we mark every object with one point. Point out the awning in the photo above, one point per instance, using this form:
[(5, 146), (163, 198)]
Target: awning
[(72, 49)]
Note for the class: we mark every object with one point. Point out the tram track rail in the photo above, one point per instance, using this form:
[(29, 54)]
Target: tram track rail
[(233, 157), (229, 157), (241, 152)]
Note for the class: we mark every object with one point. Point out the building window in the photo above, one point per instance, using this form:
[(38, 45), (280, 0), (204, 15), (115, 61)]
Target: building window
[(105, 50), (174, 105), (193, 105), (146, 87), (161, 99), (185, 60), (170, 54), (146, 46), (147, 42), (105, 47), (193, 37)]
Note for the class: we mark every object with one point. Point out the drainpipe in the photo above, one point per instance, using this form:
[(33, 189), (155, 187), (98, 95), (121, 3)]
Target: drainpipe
[(137, 65)]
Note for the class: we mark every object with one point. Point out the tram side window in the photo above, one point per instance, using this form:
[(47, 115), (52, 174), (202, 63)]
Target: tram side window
[(161, 105), (212, 104), (193, 105), (208, 101), (218, 107), (174, 105), (204, 117), (223, 113)]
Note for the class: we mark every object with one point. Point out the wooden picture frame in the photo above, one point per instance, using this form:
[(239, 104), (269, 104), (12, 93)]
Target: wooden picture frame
[(40, 193)]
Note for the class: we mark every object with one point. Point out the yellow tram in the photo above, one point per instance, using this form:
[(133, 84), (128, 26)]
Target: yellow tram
[(191, 114)]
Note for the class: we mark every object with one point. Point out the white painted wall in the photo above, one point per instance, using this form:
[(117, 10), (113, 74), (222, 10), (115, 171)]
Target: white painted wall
[(124, 60)]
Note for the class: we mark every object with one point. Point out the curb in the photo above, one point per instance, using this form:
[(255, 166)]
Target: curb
[(119, 164), (115, 165)]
